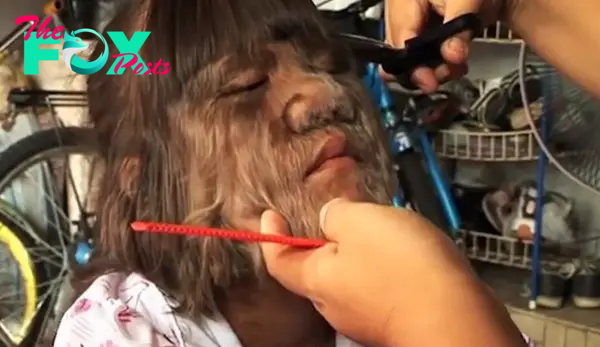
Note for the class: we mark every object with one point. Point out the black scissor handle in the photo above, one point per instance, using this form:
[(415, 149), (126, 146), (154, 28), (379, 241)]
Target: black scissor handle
[(425, 49)]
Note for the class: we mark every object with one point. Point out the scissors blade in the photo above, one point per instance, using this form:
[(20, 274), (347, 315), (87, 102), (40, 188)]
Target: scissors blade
[(372, 50)]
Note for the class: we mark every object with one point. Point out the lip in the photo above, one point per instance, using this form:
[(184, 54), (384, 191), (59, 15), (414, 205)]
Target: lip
[(333, 148), (336, 164)]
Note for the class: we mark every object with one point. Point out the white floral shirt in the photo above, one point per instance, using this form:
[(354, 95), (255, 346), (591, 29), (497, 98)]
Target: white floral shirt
[(120, 310)]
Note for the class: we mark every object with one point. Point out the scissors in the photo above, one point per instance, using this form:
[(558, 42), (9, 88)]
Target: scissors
[(423, 50)]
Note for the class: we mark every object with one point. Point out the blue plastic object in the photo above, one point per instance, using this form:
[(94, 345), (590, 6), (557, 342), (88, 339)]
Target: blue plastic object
[(401, 141), (83, 252)]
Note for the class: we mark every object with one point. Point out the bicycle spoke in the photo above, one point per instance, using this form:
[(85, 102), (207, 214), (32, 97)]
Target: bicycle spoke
[(59, 213), (40, 285), (47, 259), (49, 175), (7, 321)]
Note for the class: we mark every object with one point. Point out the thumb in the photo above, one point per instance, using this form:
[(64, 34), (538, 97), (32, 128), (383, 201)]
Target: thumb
[(290, 266), (272, 223), (456, 49)]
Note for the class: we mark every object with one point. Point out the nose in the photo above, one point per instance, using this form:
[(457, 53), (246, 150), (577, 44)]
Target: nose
[(316, 101)]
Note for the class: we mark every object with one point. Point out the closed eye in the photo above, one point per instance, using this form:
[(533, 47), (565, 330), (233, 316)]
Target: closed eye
[(238, 88), (254, 85)]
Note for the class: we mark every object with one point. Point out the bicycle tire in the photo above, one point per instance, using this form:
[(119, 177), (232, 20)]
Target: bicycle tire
[(419, 190), (13, 234), (13, 160)]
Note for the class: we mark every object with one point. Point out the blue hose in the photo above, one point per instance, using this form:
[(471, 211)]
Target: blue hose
[(440, 183)]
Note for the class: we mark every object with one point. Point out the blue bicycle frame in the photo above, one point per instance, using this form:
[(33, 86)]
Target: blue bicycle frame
[(405, 139)]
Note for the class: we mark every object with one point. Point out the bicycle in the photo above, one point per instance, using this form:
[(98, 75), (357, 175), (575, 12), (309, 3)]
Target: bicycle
[(63, 252), (422, 181), (44, 281), (15, 239)]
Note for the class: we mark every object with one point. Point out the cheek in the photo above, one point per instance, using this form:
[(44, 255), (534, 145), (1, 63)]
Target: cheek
[(258, 169)]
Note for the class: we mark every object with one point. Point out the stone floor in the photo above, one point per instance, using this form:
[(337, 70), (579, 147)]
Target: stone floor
[(565, 327)]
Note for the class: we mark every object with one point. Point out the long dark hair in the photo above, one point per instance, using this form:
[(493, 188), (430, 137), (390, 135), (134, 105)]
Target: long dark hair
[(165, 155)]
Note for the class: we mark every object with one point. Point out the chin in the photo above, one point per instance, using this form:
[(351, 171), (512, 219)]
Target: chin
[(347, 187)]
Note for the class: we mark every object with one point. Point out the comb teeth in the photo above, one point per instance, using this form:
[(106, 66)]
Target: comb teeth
[(237, 235)]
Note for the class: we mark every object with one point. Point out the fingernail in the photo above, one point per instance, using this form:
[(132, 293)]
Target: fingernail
[(456, 45), (265, 228), (325, 208)]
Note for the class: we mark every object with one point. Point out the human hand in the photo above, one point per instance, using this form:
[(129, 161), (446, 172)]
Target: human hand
[(405, 19), (382, 263)]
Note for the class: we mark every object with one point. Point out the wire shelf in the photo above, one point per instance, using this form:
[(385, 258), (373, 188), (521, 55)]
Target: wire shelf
[(490, 146), (498, 33), (506, 251)]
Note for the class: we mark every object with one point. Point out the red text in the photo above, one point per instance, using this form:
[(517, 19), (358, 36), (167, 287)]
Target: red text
[(157, 68)]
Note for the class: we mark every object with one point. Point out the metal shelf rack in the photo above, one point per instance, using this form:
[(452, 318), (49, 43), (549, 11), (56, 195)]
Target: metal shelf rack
[(514, 146), (506, 251), (498, 33), (511, 146)]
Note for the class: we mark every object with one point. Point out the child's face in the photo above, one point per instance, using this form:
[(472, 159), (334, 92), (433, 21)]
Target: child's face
[(302, 132), (262, 110)]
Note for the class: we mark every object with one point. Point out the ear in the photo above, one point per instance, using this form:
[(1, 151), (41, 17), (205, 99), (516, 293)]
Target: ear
[(129, 175)]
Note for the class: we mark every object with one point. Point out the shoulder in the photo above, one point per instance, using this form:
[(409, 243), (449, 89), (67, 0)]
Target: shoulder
[(107, 314)]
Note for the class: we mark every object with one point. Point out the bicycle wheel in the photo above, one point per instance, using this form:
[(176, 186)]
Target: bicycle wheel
[(51, 245), (15, 239), (419, 190)]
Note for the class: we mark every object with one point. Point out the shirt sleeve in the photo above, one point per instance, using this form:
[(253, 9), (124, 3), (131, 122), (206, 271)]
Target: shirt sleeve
[(109, 323)]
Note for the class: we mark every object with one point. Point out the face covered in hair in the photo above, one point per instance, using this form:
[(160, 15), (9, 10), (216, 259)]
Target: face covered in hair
[(262, 110), (301, 131)]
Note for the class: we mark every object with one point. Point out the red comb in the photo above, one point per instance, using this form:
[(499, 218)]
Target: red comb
[(237, 235)]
